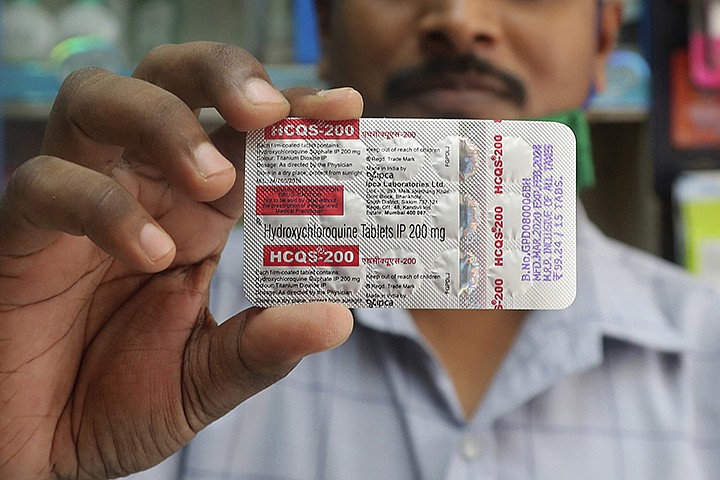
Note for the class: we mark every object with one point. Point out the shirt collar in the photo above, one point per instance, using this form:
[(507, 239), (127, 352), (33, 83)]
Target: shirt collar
[(614, 300), (616, 290)]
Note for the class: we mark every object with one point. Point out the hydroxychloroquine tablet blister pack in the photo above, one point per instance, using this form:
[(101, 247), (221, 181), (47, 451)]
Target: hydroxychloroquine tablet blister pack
[(411, 213)]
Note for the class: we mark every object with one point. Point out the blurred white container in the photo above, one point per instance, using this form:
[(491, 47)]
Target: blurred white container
[(152, 23), (29, 32), (89, 18)]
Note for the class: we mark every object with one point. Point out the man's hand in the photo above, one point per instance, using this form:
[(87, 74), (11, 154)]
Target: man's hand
[(109, 358)]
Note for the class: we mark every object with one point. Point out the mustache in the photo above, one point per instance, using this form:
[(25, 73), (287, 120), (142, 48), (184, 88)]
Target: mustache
[(443, 71)]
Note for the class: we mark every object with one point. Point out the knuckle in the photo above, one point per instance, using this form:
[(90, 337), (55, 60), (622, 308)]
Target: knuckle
[(157, 52), (23, 183), (111, 201), (159, 132), (156, 55), (74, 84), (227, 54), (106, 208), (228, 64), (164, 110)]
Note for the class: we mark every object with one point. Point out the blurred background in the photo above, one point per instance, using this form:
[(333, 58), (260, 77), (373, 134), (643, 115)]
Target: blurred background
[(656, 129)]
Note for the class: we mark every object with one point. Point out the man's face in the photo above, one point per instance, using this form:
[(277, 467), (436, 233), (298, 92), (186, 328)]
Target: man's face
[(466, 58)]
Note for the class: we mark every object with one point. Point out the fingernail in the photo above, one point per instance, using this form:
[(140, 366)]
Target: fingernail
[(260, 92), (209, 161), (154, 242), (336, 92)]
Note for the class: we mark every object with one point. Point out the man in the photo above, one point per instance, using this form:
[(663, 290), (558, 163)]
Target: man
[(110, 360)]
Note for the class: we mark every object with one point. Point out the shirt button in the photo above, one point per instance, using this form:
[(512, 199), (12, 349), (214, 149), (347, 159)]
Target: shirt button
[(470, 447)]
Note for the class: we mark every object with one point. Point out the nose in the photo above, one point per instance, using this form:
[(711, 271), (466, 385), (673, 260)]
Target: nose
[(459, 26)]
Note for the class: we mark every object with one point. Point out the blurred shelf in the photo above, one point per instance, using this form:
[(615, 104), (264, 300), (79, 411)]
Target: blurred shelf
[(283, 76), (15, 110), (617, 114)]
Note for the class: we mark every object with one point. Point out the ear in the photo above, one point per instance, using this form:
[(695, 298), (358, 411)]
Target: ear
[(609, 23), (323, 11)]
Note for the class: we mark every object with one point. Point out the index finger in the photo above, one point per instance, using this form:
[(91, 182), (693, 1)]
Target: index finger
[(151, 117), (208, 74)]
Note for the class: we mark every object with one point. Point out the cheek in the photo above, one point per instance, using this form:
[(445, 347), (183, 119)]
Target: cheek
[(560, 80), (556, 57), (366, 47)]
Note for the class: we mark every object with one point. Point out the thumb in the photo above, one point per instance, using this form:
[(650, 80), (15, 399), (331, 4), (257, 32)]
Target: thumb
[(230, 363)]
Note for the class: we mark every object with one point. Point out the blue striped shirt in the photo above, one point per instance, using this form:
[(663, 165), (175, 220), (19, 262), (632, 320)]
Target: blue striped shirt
[(624, 384)]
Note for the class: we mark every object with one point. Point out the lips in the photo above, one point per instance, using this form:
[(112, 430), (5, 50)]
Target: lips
[(460, 95)]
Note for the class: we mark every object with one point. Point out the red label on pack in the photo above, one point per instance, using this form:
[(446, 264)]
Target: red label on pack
[(299, 200), (307, 129), (311, 255)]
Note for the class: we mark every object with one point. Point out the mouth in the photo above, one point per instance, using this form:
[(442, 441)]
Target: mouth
[(468, 82), (460, 96)]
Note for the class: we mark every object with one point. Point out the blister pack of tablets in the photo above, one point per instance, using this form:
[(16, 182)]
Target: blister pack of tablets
[(411, 213)]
